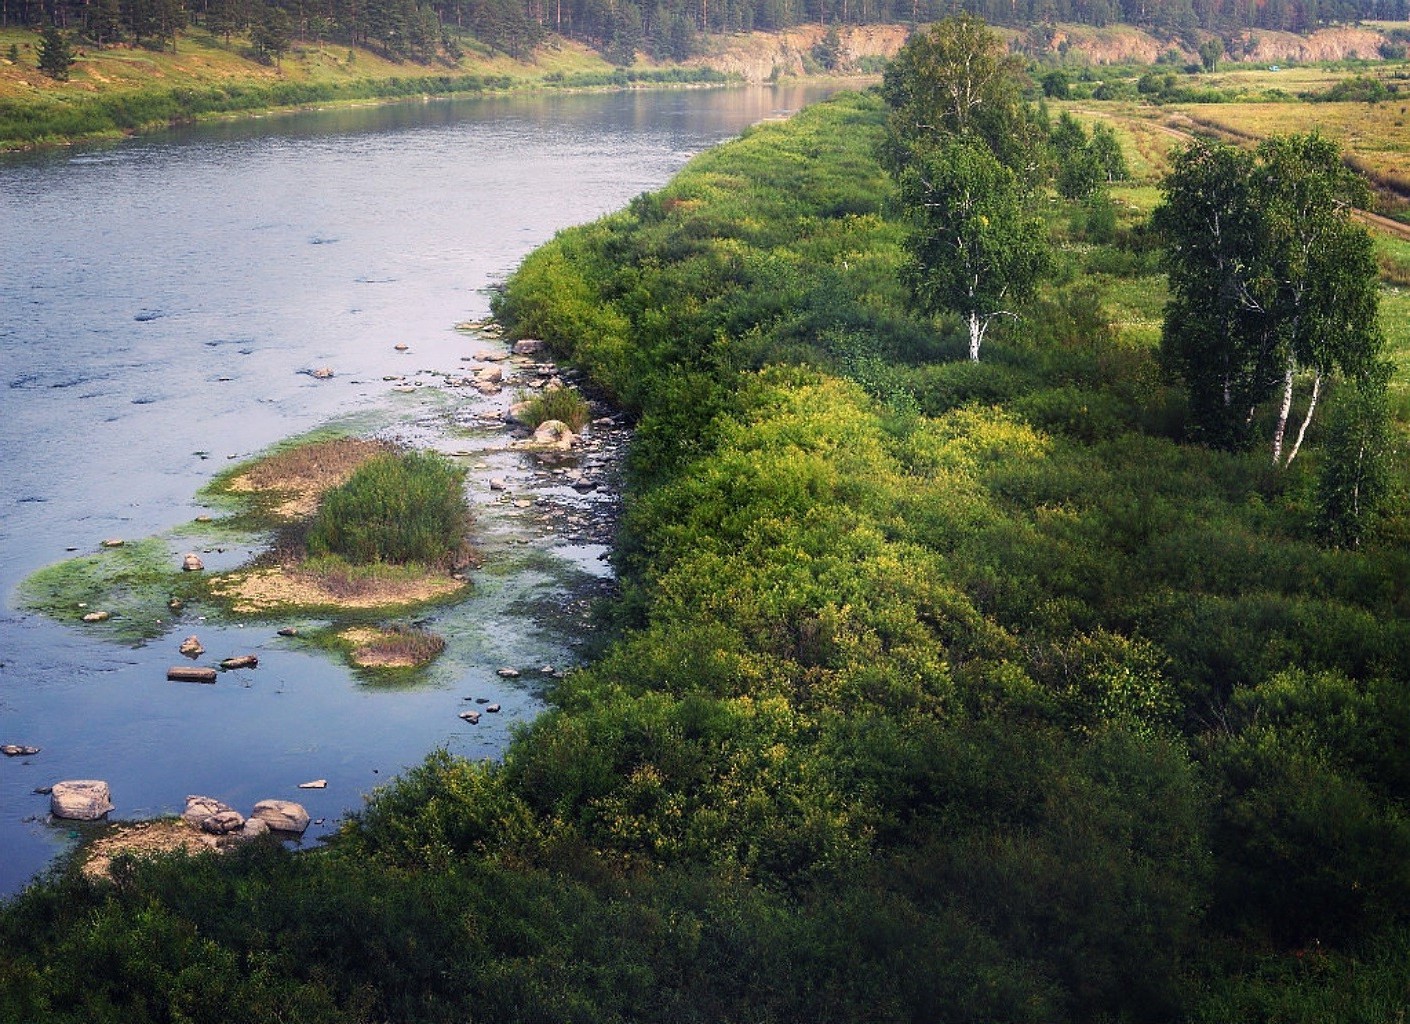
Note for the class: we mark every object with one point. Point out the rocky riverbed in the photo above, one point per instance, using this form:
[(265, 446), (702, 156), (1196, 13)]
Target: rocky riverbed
[(544, 515)]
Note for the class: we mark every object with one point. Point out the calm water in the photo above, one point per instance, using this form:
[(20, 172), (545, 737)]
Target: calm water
[(161, 303)]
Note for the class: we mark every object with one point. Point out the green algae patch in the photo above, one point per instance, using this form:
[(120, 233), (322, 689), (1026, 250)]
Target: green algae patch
[(254, 563), (129, 593)]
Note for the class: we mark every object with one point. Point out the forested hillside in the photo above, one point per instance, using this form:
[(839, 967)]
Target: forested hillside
[(948, 682), (422, 30)]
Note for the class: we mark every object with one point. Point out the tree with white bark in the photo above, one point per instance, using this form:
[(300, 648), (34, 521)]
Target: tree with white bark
[(975, 245), (1272, 284)]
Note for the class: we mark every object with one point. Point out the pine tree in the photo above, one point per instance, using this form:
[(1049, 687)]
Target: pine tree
[(55, 54)]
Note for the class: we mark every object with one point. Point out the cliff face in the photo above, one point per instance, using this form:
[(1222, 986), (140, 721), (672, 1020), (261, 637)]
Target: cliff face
[(759, 56), (1327, 44)]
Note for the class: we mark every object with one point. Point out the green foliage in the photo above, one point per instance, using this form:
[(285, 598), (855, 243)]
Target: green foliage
[(937, 690), (956, 81), (566, 405), (396, 508), (55, 54), (1354, 479), (1269, 276), (974, 246)]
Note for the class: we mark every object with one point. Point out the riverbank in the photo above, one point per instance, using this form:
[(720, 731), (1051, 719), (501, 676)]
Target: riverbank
[(121, 90)]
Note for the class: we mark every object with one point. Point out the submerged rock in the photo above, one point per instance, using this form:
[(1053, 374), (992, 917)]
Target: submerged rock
[(80, 799), (192, 562), (16, 750), (97, 617)]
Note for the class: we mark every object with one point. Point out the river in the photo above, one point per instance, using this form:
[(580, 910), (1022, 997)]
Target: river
[(163, 301)]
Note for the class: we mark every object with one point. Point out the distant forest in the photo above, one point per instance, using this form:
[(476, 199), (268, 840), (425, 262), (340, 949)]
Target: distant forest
[(668, 29)]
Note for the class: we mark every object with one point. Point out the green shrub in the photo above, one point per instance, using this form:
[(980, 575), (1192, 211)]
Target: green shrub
[(399, 508), (566, 405)]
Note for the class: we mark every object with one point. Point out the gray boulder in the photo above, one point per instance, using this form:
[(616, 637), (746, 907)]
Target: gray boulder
[(281, 815), (80, 799)]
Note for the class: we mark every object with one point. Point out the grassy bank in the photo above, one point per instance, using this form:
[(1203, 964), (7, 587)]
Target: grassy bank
[(940, 691), (119, 90)]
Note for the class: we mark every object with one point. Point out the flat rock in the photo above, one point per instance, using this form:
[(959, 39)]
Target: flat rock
[(190, 674), (315, 784), (473, 717), (243, 661), (16, 750), (281, 815), (555, 433), (508, 673), (114, 542), (490, 375), (97, 617), (529, 346), (80, 799)]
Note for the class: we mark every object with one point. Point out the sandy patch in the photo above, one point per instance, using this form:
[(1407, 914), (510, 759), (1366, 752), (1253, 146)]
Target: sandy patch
[(390, 648), (261, 590), (300, 476), (145, 839)]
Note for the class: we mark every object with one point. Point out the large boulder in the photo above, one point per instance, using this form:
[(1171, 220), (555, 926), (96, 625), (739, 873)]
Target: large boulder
[(199, 808), (80, 799), (529, 347), (281, 815), (222, 823)]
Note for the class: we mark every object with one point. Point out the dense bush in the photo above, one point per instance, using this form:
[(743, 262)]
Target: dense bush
[(403, 508)]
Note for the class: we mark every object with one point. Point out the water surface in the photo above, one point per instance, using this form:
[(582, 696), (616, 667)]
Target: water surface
[(162, 303)]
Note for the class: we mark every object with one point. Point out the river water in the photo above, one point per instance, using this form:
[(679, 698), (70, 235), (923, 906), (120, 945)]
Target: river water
[(162, 303)]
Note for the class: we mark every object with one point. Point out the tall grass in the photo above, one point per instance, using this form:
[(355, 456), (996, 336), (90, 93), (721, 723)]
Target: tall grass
[(566, 405), (401, 508)]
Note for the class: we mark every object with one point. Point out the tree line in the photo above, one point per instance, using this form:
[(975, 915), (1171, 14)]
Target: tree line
[(669, 29)]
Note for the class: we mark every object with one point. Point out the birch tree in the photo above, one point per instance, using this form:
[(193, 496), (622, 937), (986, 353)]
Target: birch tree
[(974, 244), (1272, 285)]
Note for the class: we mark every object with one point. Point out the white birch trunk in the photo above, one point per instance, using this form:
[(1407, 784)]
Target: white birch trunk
[(976, 336), (1281, 430), (1311, 408)]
